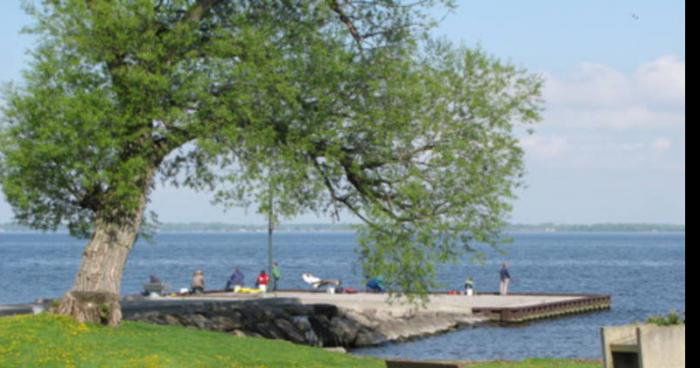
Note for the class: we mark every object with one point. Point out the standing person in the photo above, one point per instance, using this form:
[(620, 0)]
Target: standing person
[(505, 279), (262, 281), (197, 286), (276, 275)]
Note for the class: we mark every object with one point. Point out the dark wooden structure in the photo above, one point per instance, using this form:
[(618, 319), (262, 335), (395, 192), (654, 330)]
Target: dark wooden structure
[(581, 303)]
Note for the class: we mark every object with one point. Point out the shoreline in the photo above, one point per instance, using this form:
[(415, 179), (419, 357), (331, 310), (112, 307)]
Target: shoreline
[(342, 320), (277, 232)]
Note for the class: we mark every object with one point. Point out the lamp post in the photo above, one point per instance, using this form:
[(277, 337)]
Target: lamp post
[(270, 216)]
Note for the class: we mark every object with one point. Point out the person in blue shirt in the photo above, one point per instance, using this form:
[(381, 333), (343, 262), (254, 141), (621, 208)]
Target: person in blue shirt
[(236, 279), (376, 285), (505, 279)]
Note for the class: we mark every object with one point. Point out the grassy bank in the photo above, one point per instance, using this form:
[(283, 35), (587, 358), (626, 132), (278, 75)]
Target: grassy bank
[(55, 341)]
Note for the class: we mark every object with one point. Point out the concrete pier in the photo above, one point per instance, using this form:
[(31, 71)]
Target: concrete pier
[(518, 307), (352, 320), (346, 320), (438, 302)]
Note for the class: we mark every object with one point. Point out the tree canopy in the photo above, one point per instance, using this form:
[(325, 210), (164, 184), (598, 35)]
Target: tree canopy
[(336, 104)]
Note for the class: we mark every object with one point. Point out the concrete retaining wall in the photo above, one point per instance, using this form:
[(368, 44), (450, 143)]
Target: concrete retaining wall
[(645, 346)]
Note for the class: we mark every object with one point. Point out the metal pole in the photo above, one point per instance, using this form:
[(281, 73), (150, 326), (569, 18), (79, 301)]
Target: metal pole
[(269, 233)]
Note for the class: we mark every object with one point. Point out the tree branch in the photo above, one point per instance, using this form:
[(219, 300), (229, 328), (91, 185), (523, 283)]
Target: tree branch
[(347, 21)]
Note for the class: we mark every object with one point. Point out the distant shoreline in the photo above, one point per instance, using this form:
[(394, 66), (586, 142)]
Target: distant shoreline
[(349, 228)]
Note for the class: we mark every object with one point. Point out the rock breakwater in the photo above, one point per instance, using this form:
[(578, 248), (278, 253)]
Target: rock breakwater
[(323, 325)]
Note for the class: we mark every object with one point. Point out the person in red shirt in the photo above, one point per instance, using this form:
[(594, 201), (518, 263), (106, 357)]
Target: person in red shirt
[(262, 281)]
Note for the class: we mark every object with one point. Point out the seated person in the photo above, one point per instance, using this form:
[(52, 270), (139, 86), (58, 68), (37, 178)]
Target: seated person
[(235, 282), (262, 281), (197, 285), (376, 285), (154, 286), (469, 286), (318, 282)]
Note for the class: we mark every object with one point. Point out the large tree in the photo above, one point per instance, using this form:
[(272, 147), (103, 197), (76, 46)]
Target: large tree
[(328, 104)]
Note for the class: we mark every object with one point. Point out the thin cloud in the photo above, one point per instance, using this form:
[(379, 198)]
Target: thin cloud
[(616, 118), (544, 147), (598, 96), (661, 145), (662, 82)]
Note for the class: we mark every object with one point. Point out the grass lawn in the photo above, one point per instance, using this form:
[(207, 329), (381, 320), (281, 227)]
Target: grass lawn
[(55, 341)]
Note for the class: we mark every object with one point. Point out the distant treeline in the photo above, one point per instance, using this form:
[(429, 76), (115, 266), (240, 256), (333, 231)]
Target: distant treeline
[(223, 227), (605, 227), (546, 227)]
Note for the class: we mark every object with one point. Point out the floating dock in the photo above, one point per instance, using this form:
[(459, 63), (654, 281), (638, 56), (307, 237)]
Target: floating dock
[(548, 306)]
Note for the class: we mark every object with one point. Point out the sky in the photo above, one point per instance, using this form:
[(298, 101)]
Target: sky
[(611, 146)]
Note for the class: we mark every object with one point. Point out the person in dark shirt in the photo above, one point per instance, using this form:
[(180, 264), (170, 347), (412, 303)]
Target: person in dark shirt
[(154, 286), (376, 285), (505, 279), (469, 286), (236, 279)]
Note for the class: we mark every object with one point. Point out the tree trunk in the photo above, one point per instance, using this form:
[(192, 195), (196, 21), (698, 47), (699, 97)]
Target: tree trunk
[(96, 292)]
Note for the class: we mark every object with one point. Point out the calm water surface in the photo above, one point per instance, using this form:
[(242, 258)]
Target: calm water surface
[(645, 274)]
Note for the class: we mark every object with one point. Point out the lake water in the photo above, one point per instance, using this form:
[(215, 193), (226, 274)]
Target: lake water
[(644, 273)]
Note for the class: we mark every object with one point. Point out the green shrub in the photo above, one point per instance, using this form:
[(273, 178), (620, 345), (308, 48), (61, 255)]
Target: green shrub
[(673, 318)]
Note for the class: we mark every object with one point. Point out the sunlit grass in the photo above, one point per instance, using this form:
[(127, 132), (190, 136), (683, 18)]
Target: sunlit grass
[(49, 340), (55, 341)]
